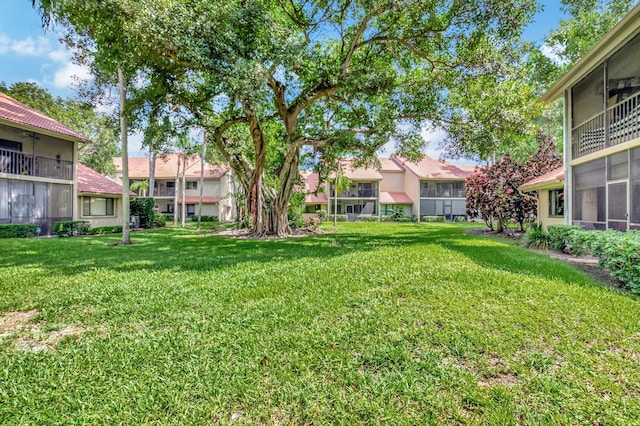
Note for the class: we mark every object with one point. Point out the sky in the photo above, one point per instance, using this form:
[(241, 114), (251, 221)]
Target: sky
[(28, 53)]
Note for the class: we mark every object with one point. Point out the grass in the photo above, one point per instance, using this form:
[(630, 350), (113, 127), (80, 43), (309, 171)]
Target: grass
[(377, 323)]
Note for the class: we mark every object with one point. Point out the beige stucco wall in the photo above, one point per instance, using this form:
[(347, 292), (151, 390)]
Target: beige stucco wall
[(227, 204), (96, 221), (392, 182), (412, 189), (208, 209), (543, 211), (211, 188), (45, 146)]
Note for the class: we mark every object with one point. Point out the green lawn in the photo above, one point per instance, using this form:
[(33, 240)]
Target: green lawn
[(378, 323)]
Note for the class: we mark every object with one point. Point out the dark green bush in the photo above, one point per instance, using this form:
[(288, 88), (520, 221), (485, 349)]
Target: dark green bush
[(322, 214), (403, 219), (18, 230), (560, 235), (367, 218), (102, 230), (143, 207), (341, 217), (71, 228), (459, 219), (619, 252), (536, 237), (160, 220), (204, 218), (433, 218)]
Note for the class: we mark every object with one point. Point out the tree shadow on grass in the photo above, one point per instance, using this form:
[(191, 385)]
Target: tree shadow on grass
[(183, 250)]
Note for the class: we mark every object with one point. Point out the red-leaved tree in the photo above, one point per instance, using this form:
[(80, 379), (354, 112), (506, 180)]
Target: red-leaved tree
[(492, 192)]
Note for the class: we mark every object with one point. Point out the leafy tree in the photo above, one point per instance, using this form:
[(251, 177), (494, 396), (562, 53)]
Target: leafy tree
[(80, 116), (492, 192), (307, 76)]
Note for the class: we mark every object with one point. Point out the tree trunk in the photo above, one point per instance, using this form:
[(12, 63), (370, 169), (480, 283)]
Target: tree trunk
[(152, 172), (126, 238), (280, 206), (202, 155), (500, 226), (255, 196), (183, 194)]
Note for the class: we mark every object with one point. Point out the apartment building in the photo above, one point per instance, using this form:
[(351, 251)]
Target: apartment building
[(425, 188), (601, 95), (38, 174), (219, 185)]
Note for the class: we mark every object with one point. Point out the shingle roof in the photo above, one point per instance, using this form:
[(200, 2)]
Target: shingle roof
[(92, 182), (428, 168), (14, 111), (358, 173), (394, 198), (389, 165), (167, 167), (554, 178)]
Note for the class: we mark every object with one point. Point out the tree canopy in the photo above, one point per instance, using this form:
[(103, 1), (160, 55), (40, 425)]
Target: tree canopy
[(274, 81)]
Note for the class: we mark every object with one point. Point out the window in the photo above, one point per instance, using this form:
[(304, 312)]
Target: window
[(556, 202), (94, 206), (10, 145), (191, 210), (590, 192), (192, 184)]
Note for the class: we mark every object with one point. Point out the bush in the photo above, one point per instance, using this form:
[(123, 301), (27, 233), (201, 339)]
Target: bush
[(403, 219), (296, 223), (204, 218), (311, 223), (367, 218), (459, 218), (560, 235), (160, 220), (102, 230), (322, 215), (143, 207), (71, 228), (341, 217), (18, 230), (619, 252), (536, 237), (433, 218), (385, 218)]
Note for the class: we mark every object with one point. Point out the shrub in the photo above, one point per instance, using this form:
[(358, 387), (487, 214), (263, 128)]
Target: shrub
[(536, 237), (296, 223), (619, 252), (342, 217), (160, 220), (71, 228), (367, 218), (102, 230), (322, 215), (459, 219), (18, 230), (560, 235), (403, 219), (433, 218), (385, 218), (204, 218), (144, 208)]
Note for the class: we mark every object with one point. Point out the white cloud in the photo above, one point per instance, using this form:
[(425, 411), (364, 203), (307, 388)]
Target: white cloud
[(5, 42), (30, 46), (70, 74), (552, 54), (61, 55)]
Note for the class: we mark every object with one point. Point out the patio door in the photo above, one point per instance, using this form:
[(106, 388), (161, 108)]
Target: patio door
[(617, 205)]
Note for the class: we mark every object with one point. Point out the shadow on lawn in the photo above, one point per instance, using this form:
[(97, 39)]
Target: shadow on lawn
[(181, 250)]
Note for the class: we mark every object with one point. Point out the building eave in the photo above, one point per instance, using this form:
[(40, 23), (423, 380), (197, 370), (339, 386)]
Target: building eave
[(625, 30), (41, 131)]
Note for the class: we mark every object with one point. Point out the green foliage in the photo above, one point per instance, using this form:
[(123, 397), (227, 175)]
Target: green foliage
[(367, 218), (536, 237), (71, 228), (144, 208), (433, 218), (404, 219), (561, 235), (160, 220), (205, 218), (102, 230), (322, 215), (341, 217), (619, 252), (459, 218), (18, 230)]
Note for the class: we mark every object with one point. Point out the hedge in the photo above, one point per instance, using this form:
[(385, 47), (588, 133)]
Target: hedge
[(102, 230), (340, 217), (143, 207), (367, 218), (18, 230), (560, 235), (204, 218), (71, 228), (433, 218)]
